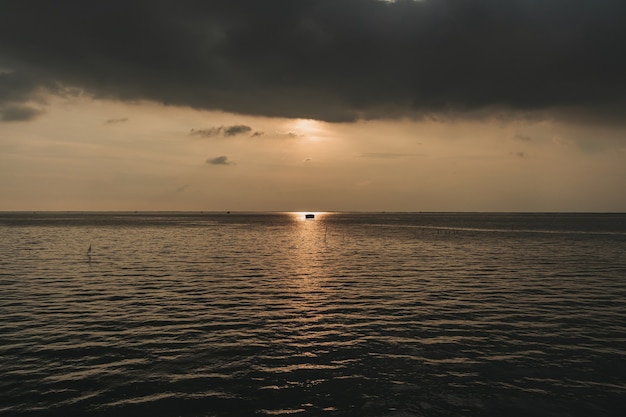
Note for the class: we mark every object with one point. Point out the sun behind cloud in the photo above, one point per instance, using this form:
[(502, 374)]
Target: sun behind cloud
[(308, 128)]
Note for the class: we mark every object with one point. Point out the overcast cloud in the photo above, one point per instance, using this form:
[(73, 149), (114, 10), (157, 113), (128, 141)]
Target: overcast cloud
[(334, 60)]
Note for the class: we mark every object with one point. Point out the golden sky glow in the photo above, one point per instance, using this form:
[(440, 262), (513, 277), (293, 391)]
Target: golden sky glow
[(86, 154)]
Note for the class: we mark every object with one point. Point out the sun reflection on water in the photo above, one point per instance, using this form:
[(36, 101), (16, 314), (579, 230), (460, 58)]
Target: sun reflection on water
[(309, 251)]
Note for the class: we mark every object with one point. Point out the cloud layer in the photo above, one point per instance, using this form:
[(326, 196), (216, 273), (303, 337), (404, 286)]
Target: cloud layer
[(334, 60)]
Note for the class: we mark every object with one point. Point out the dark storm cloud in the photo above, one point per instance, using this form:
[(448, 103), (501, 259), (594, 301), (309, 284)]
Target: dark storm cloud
[(220, 160), (16, 90), (335, 60), (221, 131), (17, 86)]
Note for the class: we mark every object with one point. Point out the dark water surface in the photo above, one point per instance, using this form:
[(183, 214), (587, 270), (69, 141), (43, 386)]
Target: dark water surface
[(192, 314)]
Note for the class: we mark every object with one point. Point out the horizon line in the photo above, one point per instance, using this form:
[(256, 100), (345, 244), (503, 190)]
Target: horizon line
[(307, 211)]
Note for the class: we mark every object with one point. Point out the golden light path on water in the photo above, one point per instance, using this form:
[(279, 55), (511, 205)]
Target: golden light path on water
[(308, 245), (309, 275)]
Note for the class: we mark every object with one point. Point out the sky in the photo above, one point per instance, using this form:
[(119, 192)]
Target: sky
[(313, 105)]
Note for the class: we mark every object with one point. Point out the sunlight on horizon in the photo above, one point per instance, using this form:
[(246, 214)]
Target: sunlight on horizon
[(308, 128), (301, 215)]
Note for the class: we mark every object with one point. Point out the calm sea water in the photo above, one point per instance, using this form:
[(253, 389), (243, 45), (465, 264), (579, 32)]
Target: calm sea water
[(196, 314)]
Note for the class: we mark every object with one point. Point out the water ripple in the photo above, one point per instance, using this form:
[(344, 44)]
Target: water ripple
[(350, 314)]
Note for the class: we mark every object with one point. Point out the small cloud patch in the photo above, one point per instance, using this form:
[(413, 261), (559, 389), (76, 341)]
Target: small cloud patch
[(236, 130), (207, 133), (382, 155), (219, 160), (115, 121), (524, 138), (225, 131), (520, 154)]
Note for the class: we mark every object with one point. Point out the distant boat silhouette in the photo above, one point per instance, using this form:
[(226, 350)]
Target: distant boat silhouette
[(309, 216)]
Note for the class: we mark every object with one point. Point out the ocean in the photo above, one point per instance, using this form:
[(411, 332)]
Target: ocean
[(346, 314)]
